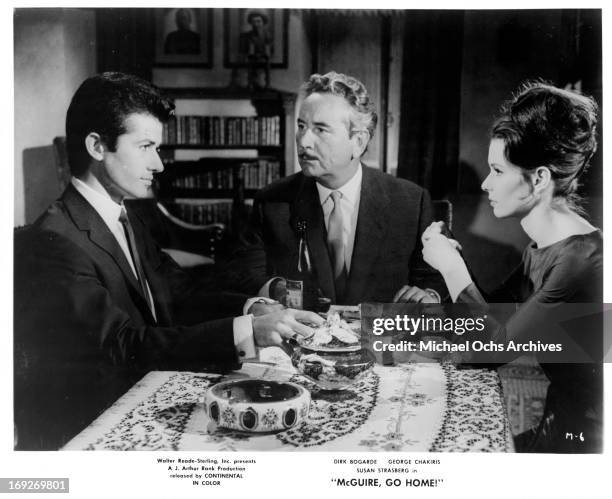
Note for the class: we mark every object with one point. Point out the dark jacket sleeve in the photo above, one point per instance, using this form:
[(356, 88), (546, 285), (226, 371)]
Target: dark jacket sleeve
[(246, 269), (535, 317), (68, 298)]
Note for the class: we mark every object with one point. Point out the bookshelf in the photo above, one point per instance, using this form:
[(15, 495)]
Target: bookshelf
[(221, 147)]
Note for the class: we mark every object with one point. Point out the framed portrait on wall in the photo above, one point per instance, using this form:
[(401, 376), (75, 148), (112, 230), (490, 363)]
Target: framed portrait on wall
[(256, 36), (183, 38)]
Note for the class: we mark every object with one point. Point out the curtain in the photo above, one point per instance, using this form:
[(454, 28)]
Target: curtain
[(431, 91)]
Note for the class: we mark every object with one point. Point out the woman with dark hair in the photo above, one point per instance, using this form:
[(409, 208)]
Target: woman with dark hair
[(540, 146)]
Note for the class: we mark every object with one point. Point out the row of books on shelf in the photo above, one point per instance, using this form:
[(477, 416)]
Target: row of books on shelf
[(223, 131), (203, 213), (253, 174)]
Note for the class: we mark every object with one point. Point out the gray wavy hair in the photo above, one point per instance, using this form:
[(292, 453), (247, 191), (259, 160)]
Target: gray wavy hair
[(364, 116)]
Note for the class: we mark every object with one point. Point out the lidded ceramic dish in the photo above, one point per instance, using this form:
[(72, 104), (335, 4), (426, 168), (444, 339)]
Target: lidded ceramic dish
[(257, 405)]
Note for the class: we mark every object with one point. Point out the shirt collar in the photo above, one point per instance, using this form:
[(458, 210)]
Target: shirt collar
[(100, 201), (350, 190)]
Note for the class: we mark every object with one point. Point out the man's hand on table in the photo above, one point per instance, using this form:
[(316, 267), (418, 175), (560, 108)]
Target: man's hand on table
[(414, 294), (270, 329)]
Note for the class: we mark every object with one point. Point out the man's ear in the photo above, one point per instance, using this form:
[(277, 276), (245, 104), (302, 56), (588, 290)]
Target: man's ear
[(361, 138), (540, 179), (94, 145)]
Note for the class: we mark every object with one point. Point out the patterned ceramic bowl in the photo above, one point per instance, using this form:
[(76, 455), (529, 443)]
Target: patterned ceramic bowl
[(257, 405)]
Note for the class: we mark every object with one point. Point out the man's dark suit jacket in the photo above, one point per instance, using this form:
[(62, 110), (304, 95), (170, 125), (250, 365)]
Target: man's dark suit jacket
[(84, 333), (387, 251)]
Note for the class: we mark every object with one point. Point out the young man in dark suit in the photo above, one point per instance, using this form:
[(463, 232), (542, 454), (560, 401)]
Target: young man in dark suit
[(95, 299), (364, 226)]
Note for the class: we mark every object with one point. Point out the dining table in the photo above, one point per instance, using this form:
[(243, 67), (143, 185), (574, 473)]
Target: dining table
[(426, 406)]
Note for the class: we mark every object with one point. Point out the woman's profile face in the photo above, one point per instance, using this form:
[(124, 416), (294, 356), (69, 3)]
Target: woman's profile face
[(510, 194)]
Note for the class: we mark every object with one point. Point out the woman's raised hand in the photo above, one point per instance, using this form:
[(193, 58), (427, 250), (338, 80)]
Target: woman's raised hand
[(440, 228), (439, 251)]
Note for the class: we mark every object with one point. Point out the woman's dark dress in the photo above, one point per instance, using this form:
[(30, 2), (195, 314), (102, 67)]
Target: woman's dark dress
[(568, 271)]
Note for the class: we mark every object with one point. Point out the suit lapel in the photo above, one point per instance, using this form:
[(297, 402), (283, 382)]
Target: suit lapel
[(371, 229), (151, 265), (307, 207), (88, 220)]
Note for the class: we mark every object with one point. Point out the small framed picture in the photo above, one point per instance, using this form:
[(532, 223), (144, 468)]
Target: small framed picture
[(256, 37), (183, 38)]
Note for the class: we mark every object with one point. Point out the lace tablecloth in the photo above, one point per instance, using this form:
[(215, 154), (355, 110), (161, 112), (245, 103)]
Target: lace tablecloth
[(409, 407)]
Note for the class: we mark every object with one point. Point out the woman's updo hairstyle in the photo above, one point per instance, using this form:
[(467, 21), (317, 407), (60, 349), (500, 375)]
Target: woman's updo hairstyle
[(546, 126)]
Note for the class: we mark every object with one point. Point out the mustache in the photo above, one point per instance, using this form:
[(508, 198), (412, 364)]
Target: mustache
[(305, 155)]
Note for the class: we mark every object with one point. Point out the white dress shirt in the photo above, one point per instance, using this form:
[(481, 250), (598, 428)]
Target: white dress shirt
[(109, 211)]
